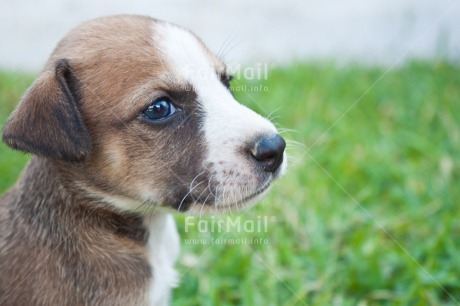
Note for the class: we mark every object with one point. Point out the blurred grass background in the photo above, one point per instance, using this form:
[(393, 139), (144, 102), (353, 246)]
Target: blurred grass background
[(368, 211)]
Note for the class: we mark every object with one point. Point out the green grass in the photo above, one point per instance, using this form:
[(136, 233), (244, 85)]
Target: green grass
[(368, 211)]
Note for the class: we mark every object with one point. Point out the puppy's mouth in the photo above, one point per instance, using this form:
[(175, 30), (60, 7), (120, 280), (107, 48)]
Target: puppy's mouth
[(246, 201), (254, 195)]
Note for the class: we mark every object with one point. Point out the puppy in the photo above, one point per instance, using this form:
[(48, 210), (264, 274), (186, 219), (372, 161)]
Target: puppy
[(130, 117)]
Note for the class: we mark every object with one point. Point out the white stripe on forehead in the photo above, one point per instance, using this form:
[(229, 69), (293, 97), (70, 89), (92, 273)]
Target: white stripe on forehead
[(185, 55)]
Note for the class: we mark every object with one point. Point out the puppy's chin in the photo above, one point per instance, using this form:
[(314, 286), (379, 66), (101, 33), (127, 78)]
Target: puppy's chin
[(229, 207), (232, 200)]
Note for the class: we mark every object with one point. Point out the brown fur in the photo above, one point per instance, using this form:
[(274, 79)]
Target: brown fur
[(59, 248), (58, 125), (61, 241)]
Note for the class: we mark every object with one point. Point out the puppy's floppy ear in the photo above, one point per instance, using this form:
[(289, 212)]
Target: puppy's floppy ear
[(47, 122)]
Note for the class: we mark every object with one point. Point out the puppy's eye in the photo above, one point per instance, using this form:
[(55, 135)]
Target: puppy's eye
[(160, 109)]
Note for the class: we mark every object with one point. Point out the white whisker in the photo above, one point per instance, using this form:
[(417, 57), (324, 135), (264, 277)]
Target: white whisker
[(183, 199)]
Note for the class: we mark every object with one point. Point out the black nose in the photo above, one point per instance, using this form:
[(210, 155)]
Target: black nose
[(268, 151)]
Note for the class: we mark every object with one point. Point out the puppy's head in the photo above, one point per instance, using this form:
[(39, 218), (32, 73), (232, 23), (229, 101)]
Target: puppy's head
[(140, 111)]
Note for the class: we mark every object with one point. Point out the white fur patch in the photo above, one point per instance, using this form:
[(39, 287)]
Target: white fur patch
[(228, 125), (163, 248)]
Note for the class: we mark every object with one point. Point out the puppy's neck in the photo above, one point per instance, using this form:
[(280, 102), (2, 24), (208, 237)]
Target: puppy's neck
[(64, 228), (44, 194)]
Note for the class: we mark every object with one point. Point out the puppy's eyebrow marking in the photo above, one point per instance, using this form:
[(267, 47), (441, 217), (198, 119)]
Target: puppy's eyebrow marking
[(180, 91), (184, 92)]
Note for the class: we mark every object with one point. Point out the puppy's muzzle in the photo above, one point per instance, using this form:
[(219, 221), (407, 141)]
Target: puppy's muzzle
[(268, 151)]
